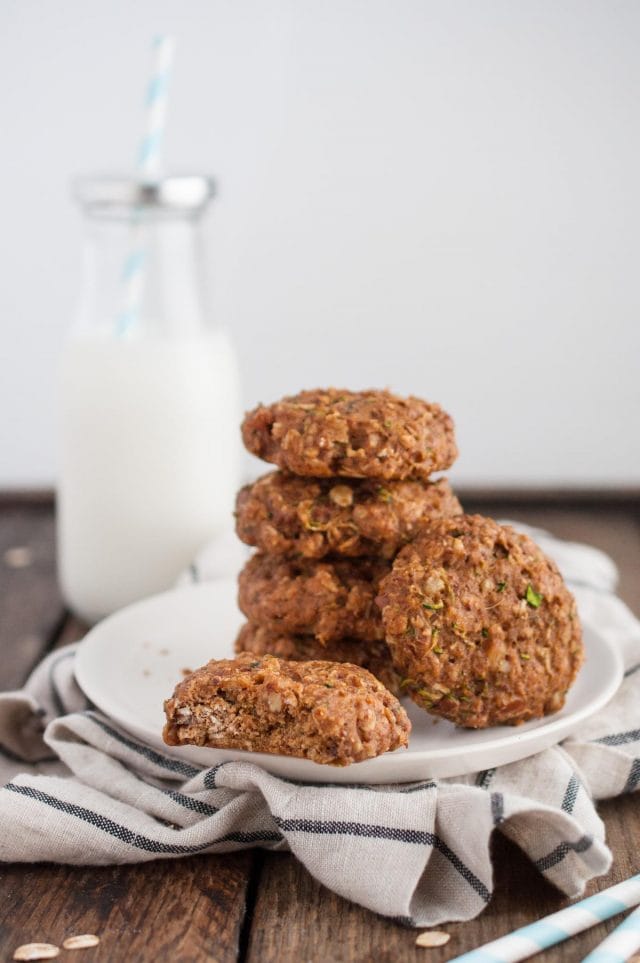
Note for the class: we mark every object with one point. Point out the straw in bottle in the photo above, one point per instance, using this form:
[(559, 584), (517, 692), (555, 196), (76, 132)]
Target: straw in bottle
[(148, 173)]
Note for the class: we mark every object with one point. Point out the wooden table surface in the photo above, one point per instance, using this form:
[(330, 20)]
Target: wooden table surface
[(252, 905)]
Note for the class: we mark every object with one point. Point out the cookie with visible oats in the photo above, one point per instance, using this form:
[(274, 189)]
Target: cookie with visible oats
[(284, 514), (329, 599), (480, 624), (372, 656), (354, 434), (327, 712)]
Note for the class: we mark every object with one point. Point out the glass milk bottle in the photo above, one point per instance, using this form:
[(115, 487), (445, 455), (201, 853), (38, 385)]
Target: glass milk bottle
[(150, 399)]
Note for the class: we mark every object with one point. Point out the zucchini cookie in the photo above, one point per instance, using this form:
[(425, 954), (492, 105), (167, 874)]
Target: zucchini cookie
[(480, 624), (330, 599), (287, 515), (372, 656), (357, 434), (324, 711)]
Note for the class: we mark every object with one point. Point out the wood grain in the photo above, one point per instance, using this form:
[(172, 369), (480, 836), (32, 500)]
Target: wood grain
[(295, 918), (30, 604), (183, 910)]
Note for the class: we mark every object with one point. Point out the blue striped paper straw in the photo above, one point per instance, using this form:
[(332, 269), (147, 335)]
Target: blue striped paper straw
[(620, 944), (148, 171), (156, 110), (557, 927)]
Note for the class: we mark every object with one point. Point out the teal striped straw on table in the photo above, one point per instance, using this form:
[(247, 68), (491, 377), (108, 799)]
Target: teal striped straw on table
[(560, 926), (148, 172), (620, 944)]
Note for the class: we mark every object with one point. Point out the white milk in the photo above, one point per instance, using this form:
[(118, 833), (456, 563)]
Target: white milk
[(150, 462)]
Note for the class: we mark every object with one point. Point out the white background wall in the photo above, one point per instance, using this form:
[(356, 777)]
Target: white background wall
[(437, 195)]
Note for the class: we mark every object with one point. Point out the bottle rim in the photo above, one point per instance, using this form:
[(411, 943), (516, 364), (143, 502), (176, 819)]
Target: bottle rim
[(117, 196)]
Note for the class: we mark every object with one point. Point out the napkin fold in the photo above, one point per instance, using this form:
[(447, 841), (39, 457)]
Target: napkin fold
[(79, 789)]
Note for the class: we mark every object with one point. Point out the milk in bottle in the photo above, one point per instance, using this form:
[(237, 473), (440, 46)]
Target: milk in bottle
[(150, 400)]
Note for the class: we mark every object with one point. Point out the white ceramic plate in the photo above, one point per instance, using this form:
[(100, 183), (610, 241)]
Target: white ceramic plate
[(129, 663)]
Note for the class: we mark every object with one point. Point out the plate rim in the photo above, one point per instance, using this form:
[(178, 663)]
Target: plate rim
[(560, 726)]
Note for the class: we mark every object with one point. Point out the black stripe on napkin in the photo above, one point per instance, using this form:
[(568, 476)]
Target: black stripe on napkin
[(358, 786), (393, 833), (634, 777), (558, 854), (130, 837), (484, 778), (497, 808), (195, 805), (174, 765), (257, 837), (571, 794), (211, 775), (619, 738)]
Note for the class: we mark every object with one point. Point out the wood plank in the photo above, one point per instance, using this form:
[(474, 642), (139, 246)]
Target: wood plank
[(31, 608), (183, 911), (588, 497)]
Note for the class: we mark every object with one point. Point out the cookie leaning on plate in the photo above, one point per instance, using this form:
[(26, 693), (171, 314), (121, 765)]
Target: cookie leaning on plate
[(356, 434), (284, 514), (327, 712), (480, 624), (372, 656)]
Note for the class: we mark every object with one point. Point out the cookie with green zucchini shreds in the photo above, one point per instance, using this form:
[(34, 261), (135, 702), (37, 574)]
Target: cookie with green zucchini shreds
[(352, 434), (287, 515), (480, 624)]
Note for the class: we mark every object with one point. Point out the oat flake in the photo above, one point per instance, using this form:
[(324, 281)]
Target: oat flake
[(81, 942), (433, 938), (36, 951)]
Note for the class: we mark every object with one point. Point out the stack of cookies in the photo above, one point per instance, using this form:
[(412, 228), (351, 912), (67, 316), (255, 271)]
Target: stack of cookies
[(354, 485), (363, 558)]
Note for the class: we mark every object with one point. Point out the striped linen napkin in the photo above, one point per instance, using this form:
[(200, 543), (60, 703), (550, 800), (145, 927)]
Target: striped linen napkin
[(78, 789)]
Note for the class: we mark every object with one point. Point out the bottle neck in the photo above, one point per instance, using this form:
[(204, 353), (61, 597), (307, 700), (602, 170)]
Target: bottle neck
[(143, 277)]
